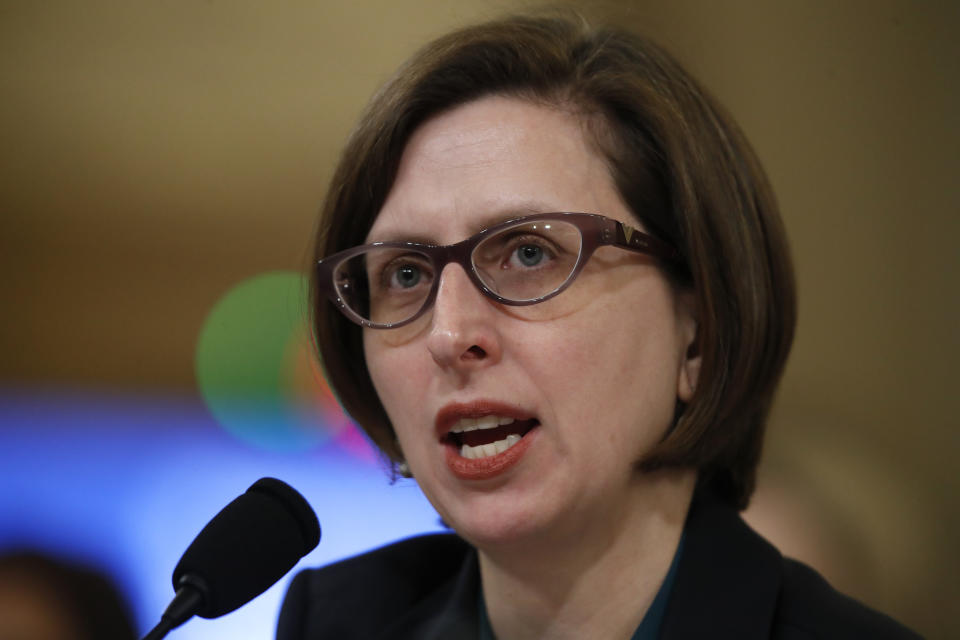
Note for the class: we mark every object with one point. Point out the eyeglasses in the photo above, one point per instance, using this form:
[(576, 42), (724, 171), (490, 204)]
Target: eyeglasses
[(519, 262)]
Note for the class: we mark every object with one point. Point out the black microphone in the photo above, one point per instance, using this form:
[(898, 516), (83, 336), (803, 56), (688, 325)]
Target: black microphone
[(247, 547)]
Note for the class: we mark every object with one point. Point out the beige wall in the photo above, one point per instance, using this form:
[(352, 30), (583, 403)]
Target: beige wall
[(153, 155)]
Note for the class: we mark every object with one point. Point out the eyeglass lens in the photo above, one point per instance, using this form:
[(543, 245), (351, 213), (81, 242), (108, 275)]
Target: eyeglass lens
[(520, 263)]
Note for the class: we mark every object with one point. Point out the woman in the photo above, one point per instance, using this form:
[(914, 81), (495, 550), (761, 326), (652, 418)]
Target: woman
[(553, 286)]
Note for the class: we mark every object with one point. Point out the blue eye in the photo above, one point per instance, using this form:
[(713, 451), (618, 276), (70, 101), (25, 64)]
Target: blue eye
[(529, 255), (406, 276)]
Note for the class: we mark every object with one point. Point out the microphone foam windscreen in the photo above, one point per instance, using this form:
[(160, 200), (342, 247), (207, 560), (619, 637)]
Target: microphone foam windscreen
[(249, 545)]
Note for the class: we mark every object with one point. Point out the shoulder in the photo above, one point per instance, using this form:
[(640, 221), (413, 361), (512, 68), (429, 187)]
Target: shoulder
[(359, 596), (415, 563), (732, 583), (808, 608)]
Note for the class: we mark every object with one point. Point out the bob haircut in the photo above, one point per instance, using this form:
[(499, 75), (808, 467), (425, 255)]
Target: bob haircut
[(681, 165)]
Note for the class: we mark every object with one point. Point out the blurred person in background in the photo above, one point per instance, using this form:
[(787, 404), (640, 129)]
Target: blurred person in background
[(42, 598), (554, 288)]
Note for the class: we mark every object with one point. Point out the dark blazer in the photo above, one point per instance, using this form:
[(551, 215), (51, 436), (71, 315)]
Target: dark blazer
[(730, 583)]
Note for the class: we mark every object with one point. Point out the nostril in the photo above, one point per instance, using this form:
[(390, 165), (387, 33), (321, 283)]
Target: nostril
[(475, 353)]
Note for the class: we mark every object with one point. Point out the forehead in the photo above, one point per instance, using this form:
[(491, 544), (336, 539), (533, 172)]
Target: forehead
[(489, 160)]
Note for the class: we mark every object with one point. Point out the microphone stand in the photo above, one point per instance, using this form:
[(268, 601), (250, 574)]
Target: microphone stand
[(188, 600)]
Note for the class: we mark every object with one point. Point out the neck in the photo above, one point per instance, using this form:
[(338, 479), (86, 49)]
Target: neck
[(596, 579)]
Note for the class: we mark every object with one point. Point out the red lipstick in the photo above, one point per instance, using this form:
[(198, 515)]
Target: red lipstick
[(484, 468), (487, 466)]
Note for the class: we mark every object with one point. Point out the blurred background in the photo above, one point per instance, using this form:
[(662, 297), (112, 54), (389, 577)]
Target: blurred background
[(161, 165)]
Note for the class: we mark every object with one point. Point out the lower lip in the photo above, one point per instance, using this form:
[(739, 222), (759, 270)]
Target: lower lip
[(489, 467)]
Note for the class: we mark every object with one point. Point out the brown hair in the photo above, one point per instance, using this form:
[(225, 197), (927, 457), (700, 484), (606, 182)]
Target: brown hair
[(679, 162)]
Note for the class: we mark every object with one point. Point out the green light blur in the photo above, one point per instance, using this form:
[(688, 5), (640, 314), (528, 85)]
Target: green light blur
[(249, 364)]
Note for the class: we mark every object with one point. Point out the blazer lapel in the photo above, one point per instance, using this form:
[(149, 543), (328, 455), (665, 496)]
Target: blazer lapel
[(448, 612), (727, 585), (728, 579)]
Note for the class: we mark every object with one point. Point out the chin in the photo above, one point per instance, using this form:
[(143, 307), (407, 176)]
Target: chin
[(489, 526)]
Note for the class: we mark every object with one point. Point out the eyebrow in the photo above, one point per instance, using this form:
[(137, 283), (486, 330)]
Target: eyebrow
[(494, 217)]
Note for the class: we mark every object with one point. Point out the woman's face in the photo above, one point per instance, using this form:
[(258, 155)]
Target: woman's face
[(589, 378)]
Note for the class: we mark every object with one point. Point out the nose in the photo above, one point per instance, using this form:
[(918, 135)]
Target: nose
[(463, 333)]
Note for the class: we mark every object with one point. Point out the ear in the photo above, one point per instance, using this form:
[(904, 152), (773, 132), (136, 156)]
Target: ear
[(690, 357)]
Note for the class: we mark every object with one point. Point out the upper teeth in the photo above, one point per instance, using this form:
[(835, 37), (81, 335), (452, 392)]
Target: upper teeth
[(472, 424)]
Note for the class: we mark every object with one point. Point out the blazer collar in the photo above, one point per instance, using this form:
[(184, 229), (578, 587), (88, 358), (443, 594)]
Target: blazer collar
[(727, 585), (451, 611), (728, 579)]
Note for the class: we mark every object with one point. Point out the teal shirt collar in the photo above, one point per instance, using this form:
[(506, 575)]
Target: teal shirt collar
[(649, 628)]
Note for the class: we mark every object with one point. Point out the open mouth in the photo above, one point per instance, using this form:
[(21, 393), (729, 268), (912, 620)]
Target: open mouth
[(488, 436)]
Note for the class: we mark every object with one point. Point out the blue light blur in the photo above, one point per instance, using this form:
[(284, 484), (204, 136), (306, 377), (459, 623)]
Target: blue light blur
[(124, 483)]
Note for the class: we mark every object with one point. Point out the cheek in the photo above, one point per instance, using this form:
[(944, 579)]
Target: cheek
[(386, 373), (616, 364), (402, 382)]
